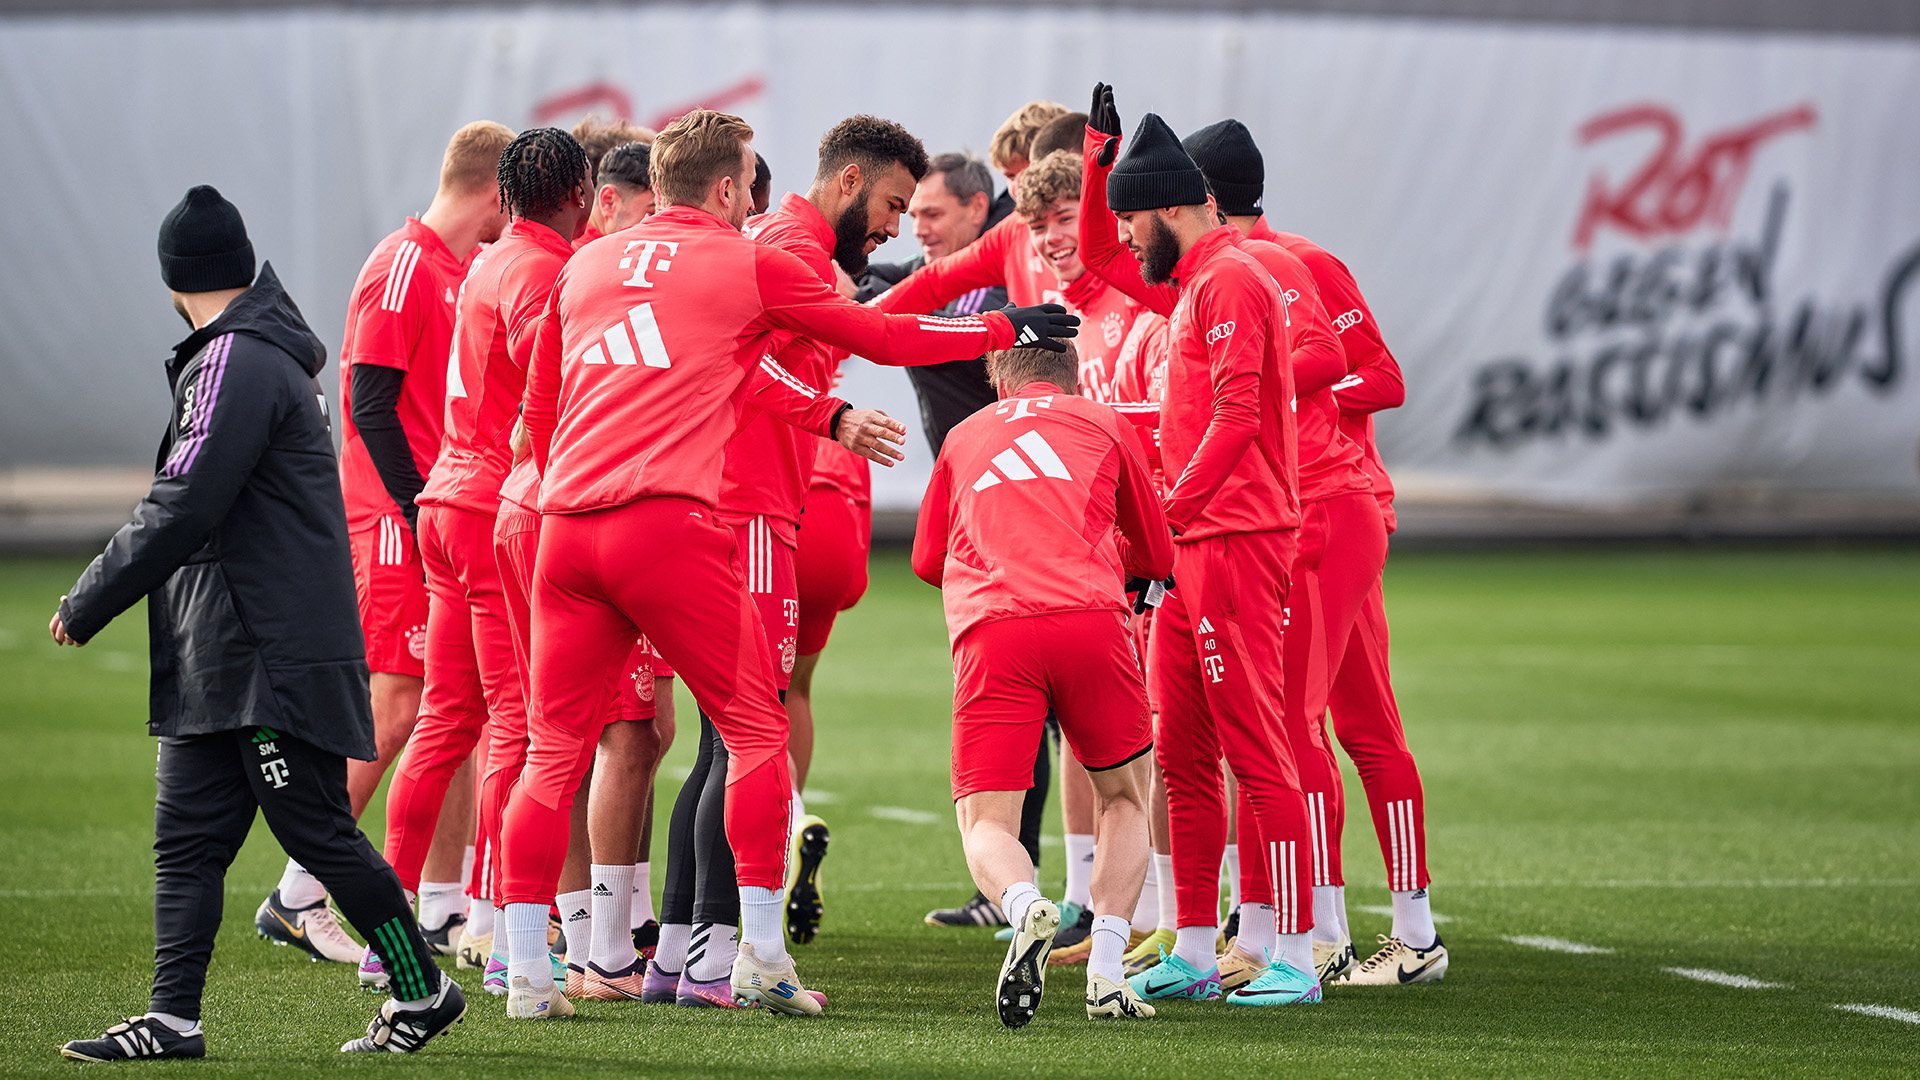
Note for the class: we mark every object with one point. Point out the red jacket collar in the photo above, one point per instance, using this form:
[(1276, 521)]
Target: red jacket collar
[(1039, 388), (1085, 291), (689, 215), (429, 240), (1263, 231), (535, 233), (796, 206), (1207, 247)]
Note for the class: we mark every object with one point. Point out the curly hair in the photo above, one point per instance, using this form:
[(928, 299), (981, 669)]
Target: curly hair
[(1047, 181), (874, 145), (538, 170)]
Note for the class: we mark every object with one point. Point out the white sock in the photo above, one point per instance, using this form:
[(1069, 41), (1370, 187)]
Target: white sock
[(576, 914), (440, 901), (1230, 869), (1413, 919), (711, 952), (762, 922), (479, 917), (1079, 870), (299, 889), (1109, 947), (180, 1025), (1194, 944), (1296, 950), (1326, 913), (1018, 897), (1340, 905), (670, 956), (799, 810), (1169, 898), (640, 912), (466, 865), (612, 946), (1146, 913), (527, 945), (1257, 930)]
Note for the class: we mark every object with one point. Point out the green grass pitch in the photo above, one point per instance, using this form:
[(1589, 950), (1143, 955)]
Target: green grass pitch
[(1692, 759)]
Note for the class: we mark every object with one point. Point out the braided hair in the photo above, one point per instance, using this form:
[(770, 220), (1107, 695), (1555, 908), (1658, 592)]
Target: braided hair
[(538, 171)]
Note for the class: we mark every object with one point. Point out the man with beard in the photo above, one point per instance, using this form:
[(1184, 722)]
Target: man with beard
[(1230, 448), (867, 171)]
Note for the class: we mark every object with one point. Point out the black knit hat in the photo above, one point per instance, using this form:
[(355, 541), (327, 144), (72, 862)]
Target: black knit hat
[(204, 246), (1226, 153), (1154, 172)]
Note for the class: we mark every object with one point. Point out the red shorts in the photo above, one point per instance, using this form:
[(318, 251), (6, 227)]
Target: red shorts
[(1009, 672), (392, 590), (766, 562), (831, 564), (633, 694)]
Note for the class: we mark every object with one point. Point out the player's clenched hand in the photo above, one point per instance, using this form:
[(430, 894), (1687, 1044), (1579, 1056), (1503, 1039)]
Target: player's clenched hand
[(59, 629), (1039, 325), (868, 432)]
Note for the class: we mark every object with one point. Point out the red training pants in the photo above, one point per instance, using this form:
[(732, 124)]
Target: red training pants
[(1366, 720)]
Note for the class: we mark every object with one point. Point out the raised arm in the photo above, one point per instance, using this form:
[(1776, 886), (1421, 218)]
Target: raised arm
[(228, 410), (1100, 246)]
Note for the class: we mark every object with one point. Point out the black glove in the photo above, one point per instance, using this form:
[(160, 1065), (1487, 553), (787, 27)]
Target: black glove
[(1151, 593), (1039, 325), (1105, 119)]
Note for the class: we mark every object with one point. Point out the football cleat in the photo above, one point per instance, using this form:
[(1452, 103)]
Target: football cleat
[(495, 980), (1239, 967), (373, 972), (474, 951), (1076, 924), (314, 929), (396, 1030), (1400, 964), (1173, 977), (1078, 953), (978, 911), (717, 994), (1148, 952), (526, 1002), (627, 984), (576, 981), (1280, 984), (445, 939), (1332, 959), (1023, 974), (777, 986), (804, 906), (646, 938), (1106, 997), (659, 987), (138, 1038)]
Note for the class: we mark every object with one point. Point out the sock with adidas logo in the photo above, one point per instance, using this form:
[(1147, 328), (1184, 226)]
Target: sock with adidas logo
[(576, 911), (612, 948)]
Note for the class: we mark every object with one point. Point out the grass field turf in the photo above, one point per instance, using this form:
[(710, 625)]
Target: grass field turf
[(1695, 759)]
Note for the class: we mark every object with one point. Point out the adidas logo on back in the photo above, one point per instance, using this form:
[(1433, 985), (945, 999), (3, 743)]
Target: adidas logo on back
[(1012, 466)]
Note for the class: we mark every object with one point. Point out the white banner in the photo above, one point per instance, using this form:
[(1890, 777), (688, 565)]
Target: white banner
[(1615, 264)]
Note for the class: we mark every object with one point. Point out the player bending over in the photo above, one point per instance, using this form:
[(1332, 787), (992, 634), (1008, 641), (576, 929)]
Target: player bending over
[(1018, 530)]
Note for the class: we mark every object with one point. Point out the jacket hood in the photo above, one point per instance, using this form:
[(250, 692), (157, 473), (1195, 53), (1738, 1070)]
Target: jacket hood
[(264, 311)]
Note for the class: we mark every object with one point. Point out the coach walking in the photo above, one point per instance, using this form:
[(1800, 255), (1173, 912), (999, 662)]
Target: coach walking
[(259, 690)]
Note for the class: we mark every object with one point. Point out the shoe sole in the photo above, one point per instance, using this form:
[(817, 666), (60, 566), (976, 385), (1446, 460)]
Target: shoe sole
[(1023, 980), (658, 997), (775, 1003), (274, 939), (1312, 997), (804, 908)]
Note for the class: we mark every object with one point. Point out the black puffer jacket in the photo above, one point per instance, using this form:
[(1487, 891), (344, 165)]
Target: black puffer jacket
[(240, 546)]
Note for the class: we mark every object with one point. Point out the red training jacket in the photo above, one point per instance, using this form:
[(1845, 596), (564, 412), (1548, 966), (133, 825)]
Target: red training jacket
[(500, 304), (659, 341), (1020, 516), (1003, 256)]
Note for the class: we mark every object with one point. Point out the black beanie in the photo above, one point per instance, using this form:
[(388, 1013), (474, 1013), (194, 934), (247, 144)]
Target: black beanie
[(1154, 172), (204, 246), (1226, 153)]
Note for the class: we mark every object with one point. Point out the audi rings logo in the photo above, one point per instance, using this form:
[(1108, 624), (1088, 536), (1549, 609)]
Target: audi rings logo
[(1346, 321), (1220, 333)]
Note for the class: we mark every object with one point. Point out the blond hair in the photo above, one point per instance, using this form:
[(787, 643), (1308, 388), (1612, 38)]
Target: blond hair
[(693, 152), (1047, 181), (1012, 142), (1011, 369), (472, 161), (597, 136)]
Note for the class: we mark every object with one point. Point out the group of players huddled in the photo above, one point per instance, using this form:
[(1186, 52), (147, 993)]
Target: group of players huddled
[(591, 446)]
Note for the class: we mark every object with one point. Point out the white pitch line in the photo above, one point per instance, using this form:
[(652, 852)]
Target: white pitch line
[(1654, 883), (1382, 909), (1883, 1012), (1725, 978), (1554, 944), (901, 813)]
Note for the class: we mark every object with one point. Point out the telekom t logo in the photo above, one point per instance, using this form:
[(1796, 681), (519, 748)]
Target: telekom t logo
[(1675, 189), (646, 261), (1021, 408)]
